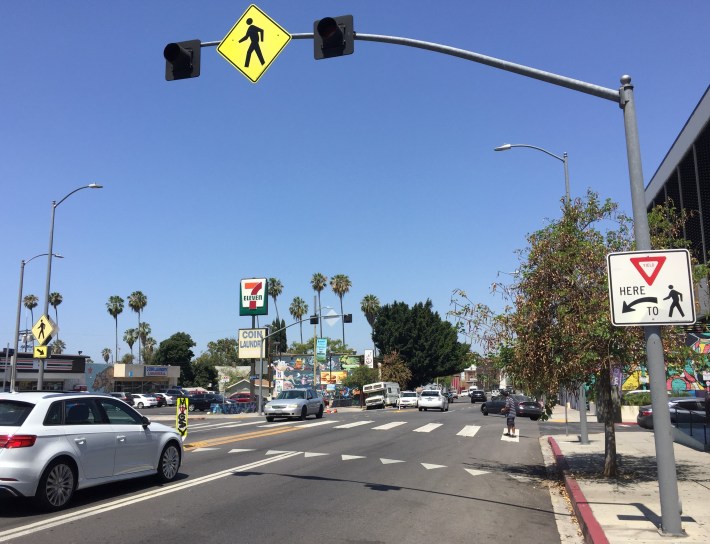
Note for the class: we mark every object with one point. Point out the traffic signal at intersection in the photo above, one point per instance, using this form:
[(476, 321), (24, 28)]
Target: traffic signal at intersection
[(333, 37), (182, 60)]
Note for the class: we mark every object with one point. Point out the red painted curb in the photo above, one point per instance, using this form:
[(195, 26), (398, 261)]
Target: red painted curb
[(592, 531)]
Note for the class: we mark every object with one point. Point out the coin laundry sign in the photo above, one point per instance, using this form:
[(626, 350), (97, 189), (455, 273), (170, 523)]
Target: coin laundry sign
[(651, 288)]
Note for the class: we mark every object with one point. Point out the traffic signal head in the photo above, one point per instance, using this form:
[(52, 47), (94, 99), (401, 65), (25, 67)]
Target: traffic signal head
[(182, 60), (314, 320), (348, 318), (333, 37)]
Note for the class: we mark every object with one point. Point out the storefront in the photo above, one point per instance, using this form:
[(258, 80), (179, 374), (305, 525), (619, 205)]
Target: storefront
[(103, 378), (61, 372)]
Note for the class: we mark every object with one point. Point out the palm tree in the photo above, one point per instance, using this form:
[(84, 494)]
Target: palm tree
[(341, 284), (143, 333), (137, 301), (57, 347), (30, 302), (275, 290), (319, 282), (130, 337), (114, 306), (370, 305), (298, 309), (106, 354), (55, 299), (149, 347)]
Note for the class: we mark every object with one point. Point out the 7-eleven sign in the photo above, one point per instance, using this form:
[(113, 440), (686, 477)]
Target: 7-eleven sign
[(253, 297)]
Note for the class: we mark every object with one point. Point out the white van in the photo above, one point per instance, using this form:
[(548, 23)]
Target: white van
[(381, 394)]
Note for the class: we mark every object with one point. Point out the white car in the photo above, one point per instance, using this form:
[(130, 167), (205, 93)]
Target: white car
[(53, 443), (144, 401), (295, 403), (432, 398), (407, 399)]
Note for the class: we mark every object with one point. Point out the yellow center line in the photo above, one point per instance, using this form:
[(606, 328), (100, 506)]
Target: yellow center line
[(236, 438)]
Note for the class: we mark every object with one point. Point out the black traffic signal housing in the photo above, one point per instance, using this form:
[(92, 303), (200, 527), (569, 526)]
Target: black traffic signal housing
[(182, 60), (333, 37), (313, 320), (348, 318)]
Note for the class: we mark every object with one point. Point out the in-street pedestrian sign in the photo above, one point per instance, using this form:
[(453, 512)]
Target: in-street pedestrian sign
[(651, 288), (44, 329), (253, 43)]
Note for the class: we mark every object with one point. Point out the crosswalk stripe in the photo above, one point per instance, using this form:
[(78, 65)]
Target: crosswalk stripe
[(355, 424), (428, 428), (388, 426), (468, 430)]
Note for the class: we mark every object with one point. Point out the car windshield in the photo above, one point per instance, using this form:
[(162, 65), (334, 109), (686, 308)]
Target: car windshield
[(292, 395), (430, 393), (14, 413), (409, 394)]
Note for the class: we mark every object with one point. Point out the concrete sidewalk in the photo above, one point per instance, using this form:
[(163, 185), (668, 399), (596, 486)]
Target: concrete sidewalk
[(627, 509)]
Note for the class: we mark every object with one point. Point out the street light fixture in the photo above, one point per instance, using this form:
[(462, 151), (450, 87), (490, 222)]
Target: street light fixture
[(13, 371), (563, 158), (40, 376)]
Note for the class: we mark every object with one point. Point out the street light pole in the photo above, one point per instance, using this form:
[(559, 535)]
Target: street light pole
[(40, 375), (13, 371), (563, 158)]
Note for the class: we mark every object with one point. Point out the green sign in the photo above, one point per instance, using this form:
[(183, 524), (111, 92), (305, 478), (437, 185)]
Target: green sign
[(321, 350)]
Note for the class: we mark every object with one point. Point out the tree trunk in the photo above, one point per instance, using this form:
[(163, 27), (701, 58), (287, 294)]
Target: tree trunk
[(608, 413)]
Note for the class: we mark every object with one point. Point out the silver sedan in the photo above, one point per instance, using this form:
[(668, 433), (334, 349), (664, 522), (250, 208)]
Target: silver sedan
[(295, 403)]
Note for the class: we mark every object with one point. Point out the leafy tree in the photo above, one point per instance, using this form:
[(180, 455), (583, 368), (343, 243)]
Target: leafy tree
[(341, 284), (427, 344), (106, 354), (55, 299), (278, 342), (222, 352), (176, 351), (127, 359), (394, 369), (370, 305), (30, 302), (335, 346), (137, 301), (319, 282), (57, 347), (204, 374), (130, 337), (298, 309), (275, 290), (114, 307)]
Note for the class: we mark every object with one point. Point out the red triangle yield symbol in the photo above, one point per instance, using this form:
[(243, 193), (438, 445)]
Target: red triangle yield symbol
[(648, 267)]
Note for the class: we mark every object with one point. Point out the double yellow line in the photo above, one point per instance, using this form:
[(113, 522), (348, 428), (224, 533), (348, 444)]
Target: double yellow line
[(237, 438)]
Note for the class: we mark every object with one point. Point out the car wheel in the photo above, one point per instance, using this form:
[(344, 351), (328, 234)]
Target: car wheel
[(269, 418), (473, 401), (485, 412), (140, 405), (56, 486), (420, 409), (304, 413), (191, 408), (319, 415), (169, 463), (426, 409)]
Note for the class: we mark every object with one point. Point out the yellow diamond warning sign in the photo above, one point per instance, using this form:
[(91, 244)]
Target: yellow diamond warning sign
[(44, 329), (253, 43)]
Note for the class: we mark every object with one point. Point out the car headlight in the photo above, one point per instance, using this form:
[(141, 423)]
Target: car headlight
[(291, 406)]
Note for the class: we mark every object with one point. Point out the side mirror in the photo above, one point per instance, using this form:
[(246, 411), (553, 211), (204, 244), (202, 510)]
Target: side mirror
[(145, 421)]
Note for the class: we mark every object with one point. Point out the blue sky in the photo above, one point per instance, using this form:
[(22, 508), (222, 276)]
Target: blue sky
[(378, 165)]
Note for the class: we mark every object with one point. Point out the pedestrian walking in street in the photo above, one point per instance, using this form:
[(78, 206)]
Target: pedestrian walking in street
[(509, 411)]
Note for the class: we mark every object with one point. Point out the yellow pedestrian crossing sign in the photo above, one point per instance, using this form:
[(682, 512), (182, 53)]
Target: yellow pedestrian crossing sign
[(41, 352), (44, 329), (253, 43)]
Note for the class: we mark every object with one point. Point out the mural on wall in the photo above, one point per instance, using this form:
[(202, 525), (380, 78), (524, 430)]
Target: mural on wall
[(297, 371), (99, 377), (684, 380)]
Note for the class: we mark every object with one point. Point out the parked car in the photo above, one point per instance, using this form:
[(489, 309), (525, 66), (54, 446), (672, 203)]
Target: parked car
[(477, 395), (144, 401), (683, 410), (407, 399), (203, 401), (524, 406), (53, 443), (295, 403), (433, 398), (159, 398), (176, 392), (125, 397), (169, 399)]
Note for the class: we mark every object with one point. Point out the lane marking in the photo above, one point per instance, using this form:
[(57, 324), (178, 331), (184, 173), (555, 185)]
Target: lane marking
[(313, 454), (388, 426), (429, 466), (351, 457), (474, 472), (120, 503), (229, 439), (428, 428), (351, 425), (390, 461), (468, 430)]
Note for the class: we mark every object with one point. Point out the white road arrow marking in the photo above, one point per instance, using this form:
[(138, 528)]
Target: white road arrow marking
[(237, 450), (429, 466), (277, 452), (474, 472), (310, 454), (390, 461), (350, 457)]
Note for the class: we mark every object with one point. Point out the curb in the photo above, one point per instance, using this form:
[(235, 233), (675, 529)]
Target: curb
[(592, 531)]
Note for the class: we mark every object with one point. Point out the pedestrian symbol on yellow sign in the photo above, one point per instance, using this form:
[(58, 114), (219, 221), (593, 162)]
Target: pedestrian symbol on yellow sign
[(254, 34)]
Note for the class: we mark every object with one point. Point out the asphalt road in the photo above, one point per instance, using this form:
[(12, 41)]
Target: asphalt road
[(365, 477)]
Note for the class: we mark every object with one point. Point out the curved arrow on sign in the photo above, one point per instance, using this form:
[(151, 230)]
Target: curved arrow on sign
[(628, 307)]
